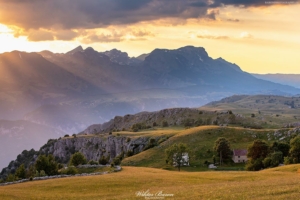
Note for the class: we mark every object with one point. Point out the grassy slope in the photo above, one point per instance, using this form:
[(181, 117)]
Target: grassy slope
[(199, 140), (274, 111), (266, 184)]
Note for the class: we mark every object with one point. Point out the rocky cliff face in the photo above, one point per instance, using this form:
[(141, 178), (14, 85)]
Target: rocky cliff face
[(93, 148)]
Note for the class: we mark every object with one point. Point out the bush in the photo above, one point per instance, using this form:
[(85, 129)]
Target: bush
[(116, 161), (92, 162), (46, 164), (165, 124), (77, 159), (103, 160), (21, 172), (129, 153), (74, 135), (138, 126), (70, 171), (43, 173), (151, 144), (66, 135), (154, 124)]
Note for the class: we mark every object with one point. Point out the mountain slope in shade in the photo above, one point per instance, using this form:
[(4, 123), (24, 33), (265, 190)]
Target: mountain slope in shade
[(285, 79), (69, 91), (19, 135)]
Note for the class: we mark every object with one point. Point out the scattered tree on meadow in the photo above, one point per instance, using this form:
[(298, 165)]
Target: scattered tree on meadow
[(223, 149), (257, 152), (175, 154), (77, 159)]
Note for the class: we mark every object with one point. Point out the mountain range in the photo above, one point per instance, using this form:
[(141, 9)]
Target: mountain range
[(67, 92)]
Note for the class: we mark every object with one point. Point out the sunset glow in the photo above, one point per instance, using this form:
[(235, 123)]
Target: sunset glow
[(259, 38)]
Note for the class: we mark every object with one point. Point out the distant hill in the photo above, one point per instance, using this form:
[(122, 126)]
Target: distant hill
[(270, 110), (72, 90), (285, 79)]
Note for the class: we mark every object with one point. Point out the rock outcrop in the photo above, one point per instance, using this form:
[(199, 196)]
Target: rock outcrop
[(173, 116), (93, 148)]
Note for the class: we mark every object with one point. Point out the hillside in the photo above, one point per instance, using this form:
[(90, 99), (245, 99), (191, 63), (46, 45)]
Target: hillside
[(272, 111), (68, 90), (183, 185)]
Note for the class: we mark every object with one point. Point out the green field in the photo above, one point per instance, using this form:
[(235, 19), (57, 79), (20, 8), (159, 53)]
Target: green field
[(200, 141), (284, 183)]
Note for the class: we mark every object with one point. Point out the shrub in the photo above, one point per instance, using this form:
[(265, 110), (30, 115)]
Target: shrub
[(21, 172), (77, 159), (129, 153), (103, 160), (138, 126), (74, 135), (128, 140), (151, 143), (43, 173), (46, 164), (70, 171), (92, 162), (66, 135), (116, 161), (165, 124), (154, 124)]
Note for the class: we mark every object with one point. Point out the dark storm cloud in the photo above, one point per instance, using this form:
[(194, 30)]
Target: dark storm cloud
[(31, 15)]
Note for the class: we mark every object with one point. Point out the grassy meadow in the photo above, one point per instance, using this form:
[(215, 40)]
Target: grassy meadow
[(283, 183), (200, 141)]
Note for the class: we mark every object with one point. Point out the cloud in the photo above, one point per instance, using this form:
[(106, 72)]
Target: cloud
[(204, 34), (55, 16), (116, 35), (233, 20), (245, 35)]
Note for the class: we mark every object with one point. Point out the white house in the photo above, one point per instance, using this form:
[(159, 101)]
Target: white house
[(239, 155)]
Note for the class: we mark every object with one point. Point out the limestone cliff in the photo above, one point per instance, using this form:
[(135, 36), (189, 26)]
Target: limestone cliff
[(93, 148)]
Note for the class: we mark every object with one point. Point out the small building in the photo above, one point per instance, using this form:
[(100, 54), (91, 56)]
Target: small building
[(239, 155), (212, 166)]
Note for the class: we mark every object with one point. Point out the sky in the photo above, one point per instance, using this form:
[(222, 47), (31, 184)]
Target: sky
[(259, 36)]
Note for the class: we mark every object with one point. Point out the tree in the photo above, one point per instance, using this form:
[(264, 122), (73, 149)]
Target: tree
[(175, 154), (103, 160), (77, 159), (273, 160), (47, 164), (21, 172), (257, 152), (165, 124), (281, 146), (223, 149), (295, 149)]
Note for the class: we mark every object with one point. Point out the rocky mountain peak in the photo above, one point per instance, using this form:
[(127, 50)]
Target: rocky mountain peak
[(77, 49)]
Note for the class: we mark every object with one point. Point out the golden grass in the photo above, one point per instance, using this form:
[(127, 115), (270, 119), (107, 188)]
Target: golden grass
[(184, 185)]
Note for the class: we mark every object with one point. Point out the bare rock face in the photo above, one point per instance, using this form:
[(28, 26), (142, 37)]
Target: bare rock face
[(93, 148)]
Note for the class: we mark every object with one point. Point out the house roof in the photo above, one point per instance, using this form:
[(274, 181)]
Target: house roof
[(240, 152)]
